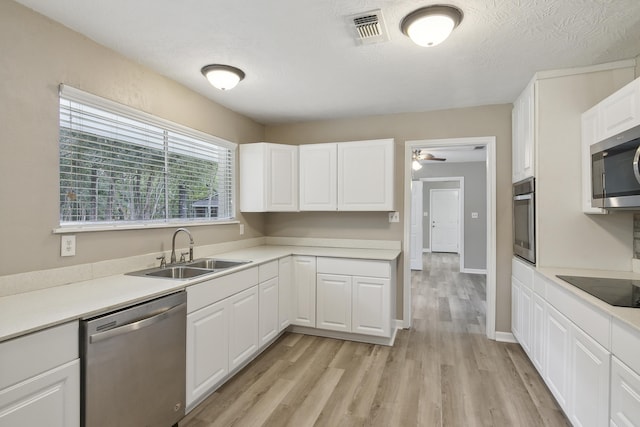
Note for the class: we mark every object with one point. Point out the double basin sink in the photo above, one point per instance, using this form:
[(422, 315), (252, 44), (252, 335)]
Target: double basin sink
[(189, 270)]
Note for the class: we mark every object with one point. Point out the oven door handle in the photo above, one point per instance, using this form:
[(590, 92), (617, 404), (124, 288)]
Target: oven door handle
[(523, 197), (636, 171), (134, 326)]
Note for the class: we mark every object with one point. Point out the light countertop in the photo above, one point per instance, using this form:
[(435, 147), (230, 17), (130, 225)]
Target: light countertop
[(32, 311)]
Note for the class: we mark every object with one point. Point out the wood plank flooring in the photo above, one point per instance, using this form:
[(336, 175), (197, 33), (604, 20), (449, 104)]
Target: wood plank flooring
[(442, 372)]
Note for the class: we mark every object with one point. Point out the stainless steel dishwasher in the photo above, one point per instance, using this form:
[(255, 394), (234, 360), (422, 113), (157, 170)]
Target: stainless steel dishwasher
[(133, 365)]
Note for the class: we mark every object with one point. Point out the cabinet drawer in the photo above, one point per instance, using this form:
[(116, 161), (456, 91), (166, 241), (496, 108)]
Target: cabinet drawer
[(268, 271), (625, 344), (214, 290), (24, 357), (591, 320), (522, 272), (354, 267)]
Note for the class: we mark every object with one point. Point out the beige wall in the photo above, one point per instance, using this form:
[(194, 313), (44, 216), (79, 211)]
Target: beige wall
[(493, 120), (566, 236), (37, 55)]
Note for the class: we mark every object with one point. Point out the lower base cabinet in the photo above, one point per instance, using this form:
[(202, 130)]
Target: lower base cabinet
[(243, 327), (625, 395), (558, 345), (334, 302)]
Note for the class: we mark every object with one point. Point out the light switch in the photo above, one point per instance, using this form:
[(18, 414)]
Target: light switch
[(241, 229), (425, 214), (474, 215)]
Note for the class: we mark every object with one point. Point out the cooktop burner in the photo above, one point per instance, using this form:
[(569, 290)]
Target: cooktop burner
[(618, 292)]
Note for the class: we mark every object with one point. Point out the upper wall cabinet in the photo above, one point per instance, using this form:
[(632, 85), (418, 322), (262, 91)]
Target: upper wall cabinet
[(523, 138), (268, 177), (590, 133), (347, 176), (620, 111)]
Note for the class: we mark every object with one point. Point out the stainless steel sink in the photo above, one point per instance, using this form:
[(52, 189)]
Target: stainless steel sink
[(179, 272), (196, 268), (215, 263)]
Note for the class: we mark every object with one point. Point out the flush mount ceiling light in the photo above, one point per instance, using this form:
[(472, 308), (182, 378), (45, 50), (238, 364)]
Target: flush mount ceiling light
[(431, 25), (223, 77)]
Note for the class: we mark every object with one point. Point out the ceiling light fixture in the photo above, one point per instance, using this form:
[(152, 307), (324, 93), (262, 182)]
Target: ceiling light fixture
[(223, 77), (431, 25)]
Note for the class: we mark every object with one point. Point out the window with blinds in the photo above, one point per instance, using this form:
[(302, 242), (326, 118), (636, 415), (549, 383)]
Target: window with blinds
[(120, 165)]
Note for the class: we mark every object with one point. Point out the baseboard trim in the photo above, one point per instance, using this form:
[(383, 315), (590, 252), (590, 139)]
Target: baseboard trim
[(506, 337), (426, 250), (473, 271)]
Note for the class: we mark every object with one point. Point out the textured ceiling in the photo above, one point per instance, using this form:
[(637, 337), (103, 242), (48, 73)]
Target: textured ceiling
[(302, 62)]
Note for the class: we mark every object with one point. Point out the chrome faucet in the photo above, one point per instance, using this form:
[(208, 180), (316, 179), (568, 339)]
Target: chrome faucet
[(173, 245)]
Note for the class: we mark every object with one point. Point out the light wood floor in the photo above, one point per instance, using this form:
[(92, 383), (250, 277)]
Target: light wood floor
[(442, 372)]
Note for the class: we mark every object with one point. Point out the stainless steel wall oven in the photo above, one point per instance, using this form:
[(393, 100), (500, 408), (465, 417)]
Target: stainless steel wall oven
[(524, 220)]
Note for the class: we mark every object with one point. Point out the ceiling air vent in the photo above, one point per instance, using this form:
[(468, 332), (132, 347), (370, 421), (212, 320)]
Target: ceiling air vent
[(369, 27)]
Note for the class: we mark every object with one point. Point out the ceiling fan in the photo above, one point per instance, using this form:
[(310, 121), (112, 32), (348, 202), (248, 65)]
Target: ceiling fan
[(418, 155)]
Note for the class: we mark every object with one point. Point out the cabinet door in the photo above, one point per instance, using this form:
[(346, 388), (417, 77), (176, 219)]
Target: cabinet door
[(625, 395), (268, 311), (282, 187), (243, 327), (526, 317), (515, 308), (365, 175), (537, 333), (318, 177), (516, 138), (371, 305), (528, 130), (589, 381), (589, 136), (557, 354), (620, 111), (207, 349), (284, 292), (50, 399), (304, 291), (333, 295)]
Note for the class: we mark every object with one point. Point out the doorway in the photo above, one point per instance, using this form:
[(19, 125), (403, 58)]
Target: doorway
[(489, 144)]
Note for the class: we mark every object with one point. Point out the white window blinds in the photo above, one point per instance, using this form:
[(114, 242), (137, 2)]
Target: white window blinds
[(118, 165)]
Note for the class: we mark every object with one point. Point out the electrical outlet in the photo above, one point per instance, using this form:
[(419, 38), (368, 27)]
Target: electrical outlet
[(67, 245), (241, 229), (425, 214), (474, 215), (394, 217)]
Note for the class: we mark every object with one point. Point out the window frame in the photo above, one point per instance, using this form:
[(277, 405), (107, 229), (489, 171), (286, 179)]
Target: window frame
[(76, 95)]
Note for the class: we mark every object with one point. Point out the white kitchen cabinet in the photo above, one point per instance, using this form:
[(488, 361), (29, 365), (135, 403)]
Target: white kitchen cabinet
[(269, 325), (523, 134), (304, 291), (334, 302), (40, 379), (366, 175), (319, 177), (268, 177), (207, 349), (285, 291), (590, 134), (557, 354), (538, 338), (354, 295), (243, 327), (625, 395), (526, 318), (620, 111), (522, 303), (515, 308), (588, 381), (371, 302)]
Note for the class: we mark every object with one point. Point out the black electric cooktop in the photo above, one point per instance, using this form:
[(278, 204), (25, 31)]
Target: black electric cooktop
[(618, 292)]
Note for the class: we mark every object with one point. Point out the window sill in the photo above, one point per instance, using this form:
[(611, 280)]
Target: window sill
[(65, 229)]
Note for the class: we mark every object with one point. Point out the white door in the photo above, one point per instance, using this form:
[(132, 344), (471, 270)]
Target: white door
[(557, 353), (268, 310), (371, 304), (282, 184), (207, 349), (416, 225), (284, 293), (303, 310), (318, 177), (445, 217), (243, 327), (333, 295)]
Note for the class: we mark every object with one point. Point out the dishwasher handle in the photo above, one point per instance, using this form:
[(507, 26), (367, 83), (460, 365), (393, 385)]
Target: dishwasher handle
[(134, 326)]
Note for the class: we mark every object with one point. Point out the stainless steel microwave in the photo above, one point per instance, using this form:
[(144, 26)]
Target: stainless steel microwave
[(615, 173), (524, 220)]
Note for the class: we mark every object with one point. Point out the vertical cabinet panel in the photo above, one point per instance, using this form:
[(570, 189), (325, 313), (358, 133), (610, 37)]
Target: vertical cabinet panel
[(284, 292), (558, 347), (269, 315), (49, 399), (318, 177), (526, 317), (282, 194), (515, 308), (365, 175), (207, 349), (538, 333), (589, 380), (523, 134), (590, 133), (625, 395), (334, 302), (304, 291), (371, 306), (243, 327)]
